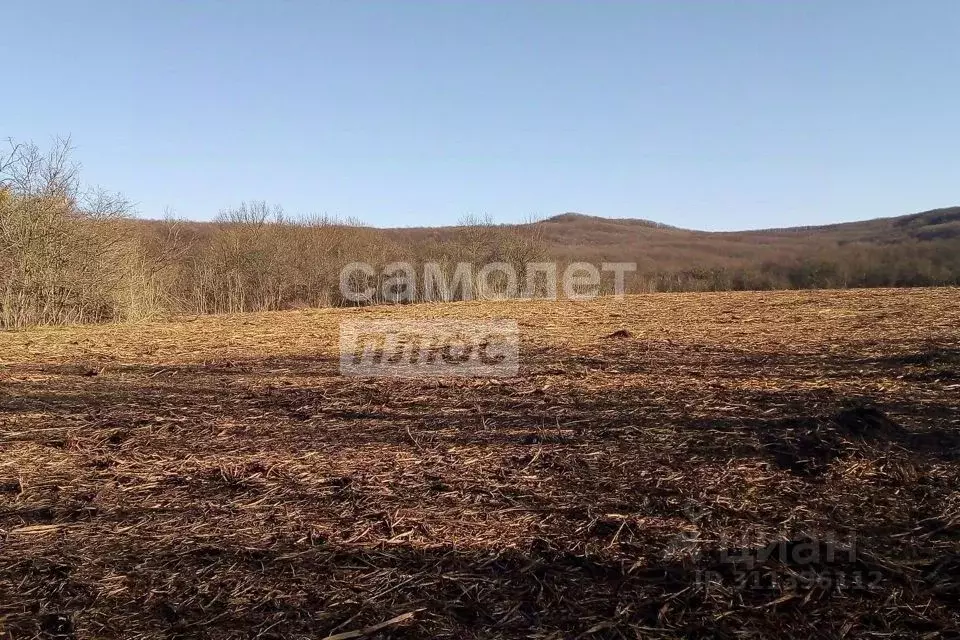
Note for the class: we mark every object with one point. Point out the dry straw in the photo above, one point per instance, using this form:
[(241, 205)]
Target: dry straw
[(215, 477)]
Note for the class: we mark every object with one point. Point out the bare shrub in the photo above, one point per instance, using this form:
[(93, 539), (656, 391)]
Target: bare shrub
[(66, 251)]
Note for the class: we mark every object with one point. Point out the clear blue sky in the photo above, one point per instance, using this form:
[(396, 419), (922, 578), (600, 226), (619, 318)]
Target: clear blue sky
[(704, 114)]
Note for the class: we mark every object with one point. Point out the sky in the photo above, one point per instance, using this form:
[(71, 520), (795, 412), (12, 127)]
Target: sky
[(705, 114)]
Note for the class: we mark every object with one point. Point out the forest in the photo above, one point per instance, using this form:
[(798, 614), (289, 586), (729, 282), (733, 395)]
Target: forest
[(70, 253)]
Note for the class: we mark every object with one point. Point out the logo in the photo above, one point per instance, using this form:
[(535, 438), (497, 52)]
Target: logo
[(429, 348)]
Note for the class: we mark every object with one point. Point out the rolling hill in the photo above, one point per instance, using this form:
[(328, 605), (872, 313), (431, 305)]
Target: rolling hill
[(915, 249)]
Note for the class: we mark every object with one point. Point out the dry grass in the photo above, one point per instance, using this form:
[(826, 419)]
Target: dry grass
[(217, 478)]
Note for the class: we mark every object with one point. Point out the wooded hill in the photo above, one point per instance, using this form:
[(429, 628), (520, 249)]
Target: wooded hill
[(72, 254), (919, 249)]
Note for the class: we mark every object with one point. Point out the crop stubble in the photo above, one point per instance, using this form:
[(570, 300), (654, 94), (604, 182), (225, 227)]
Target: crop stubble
[(216, 477)]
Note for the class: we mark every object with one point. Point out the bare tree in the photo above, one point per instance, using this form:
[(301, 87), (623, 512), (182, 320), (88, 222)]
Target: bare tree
[(66, 255)]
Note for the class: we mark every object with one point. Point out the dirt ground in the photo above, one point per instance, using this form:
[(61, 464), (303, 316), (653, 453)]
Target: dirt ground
[(668, 465)]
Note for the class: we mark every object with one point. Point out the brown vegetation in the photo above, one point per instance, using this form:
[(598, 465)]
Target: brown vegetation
[(265, 262), (217, 478), (65, 254), (69, 254), (914, 250)]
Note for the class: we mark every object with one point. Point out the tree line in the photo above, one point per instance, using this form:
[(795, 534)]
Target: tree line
[(72, 254)]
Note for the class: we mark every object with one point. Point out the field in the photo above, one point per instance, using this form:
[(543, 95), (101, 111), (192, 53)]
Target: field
[(651, 472)]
